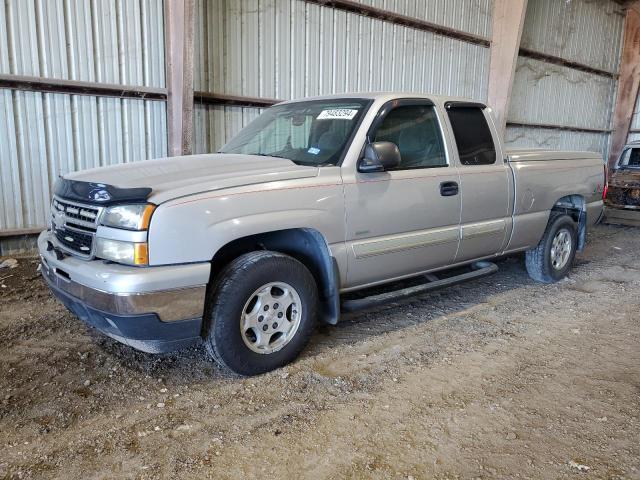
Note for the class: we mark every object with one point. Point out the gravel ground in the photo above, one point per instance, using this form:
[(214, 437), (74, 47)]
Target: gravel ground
[(497, 378)]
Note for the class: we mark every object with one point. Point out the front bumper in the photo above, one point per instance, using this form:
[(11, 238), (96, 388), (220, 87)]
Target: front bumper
[(153, 309)]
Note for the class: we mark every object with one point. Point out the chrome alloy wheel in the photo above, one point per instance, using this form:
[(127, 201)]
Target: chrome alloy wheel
[(561, 249), (271, 317)]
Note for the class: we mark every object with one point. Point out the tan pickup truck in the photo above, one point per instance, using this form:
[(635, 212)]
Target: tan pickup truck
[(247, 248)]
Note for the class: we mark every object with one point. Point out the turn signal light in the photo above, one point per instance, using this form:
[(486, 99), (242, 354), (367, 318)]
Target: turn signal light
[(141, 254)]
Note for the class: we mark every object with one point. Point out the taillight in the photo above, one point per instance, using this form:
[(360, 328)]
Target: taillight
[(606, 182)]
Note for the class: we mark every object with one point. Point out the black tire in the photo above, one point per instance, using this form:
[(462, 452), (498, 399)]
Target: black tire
[(538, 260), (228, 295)]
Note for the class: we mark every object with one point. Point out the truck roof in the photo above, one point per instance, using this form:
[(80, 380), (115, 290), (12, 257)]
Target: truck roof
[(388, 96)]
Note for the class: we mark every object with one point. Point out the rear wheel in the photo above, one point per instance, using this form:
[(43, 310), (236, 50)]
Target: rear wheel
[(261, 313), (552, 258)]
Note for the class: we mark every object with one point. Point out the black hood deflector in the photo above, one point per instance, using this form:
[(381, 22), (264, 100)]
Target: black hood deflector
[(99, 193)]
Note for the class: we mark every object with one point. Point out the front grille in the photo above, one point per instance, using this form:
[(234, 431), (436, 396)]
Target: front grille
[(74, 226), (73, 240), (84, 213)]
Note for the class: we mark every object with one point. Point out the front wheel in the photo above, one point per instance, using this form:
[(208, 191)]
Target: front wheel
[(261, 313), (551, 260)]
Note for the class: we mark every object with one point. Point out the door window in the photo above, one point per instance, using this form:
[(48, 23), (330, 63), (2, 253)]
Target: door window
[(473, 136), (416, 132)]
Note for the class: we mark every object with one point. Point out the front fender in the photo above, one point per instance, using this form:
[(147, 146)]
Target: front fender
[(193, 229)]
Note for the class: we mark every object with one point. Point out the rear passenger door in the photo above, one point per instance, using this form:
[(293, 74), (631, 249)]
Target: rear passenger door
[(406, 220), (485, 182)]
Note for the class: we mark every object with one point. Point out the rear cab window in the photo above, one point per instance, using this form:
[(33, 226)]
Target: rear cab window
[(630, 158), (472, 134)]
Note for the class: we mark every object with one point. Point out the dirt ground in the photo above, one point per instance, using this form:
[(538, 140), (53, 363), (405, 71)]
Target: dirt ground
[(498, 378)]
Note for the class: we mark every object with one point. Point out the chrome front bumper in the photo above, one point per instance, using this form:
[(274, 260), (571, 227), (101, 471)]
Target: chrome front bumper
[(172, 292), (153, 309)]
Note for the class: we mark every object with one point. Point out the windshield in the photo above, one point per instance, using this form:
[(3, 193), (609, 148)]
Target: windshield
[(630, 158), (308, 133)]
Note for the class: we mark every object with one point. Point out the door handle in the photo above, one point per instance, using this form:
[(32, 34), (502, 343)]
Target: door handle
[(448, 189)]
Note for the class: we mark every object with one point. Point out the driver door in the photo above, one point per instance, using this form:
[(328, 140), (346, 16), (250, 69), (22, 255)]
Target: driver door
[(407, 220)]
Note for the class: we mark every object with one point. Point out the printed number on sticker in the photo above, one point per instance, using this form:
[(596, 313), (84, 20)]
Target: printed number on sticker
[(337, 114)]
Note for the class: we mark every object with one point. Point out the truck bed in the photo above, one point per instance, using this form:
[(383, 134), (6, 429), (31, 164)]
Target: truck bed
[(541, 181)]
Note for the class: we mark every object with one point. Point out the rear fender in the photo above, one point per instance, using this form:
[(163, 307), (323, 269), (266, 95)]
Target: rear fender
[(575, 206)]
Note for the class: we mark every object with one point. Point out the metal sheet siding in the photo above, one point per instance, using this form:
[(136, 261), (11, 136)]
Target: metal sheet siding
[(46, 134), (21, 244), (111, 41), (529, 137), (584, 31), (292, 49), (557, 95), (472, 16), (634, 137), (215, 124)]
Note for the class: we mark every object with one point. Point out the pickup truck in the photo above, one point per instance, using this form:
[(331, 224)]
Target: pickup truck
[(246, 249), (623, 198)]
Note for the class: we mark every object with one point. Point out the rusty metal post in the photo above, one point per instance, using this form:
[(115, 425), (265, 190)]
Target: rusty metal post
[(179, 28), (508, 21), (628, 83)]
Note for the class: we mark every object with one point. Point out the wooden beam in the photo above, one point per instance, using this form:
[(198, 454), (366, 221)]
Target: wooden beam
[(549, 126), (179, 28), (508, 21), (399, 19), (73, 87), (628, 84), (211, 98), (525, 52)]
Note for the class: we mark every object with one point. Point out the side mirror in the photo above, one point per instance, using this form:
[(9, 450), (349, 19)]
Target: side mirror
[(378, 157)]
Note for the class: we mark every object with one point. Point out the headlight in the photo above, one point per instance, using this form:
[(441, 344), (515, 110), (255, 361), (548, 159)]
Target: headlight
[(122, 252), (130, 217)]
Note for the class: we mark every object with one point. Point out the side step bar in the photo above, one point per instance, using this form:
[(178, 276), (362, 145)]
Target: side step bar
[(480, 269)]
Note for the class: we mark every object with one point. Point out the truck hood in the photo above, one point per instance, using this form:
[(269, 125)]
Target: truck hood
[(174, 177)]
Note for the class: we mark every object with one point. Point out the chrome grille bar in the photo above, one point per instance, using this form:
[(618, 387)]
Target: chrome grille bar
[(74, 226)]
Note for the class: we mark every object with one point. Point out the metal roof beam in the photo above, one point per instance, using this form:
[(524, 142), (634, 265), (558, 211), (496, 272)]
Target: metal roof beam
[(508, 22), (74, 87)]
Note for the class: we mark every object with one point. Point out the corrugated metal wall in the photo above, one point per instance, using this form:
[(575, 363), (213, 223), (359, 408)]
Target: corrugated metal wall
[(45, 134), (291, 49), (467, 16), (582, 31), (585, 31), (531, 137), (279, 49)]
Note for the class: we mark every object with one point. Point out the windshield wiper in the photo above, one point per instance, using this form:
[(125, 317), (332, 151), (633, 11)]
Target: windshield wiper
[(268, 155)]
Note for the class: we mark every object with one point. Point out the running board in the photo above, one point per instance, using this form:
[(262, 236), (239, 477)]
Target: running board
[(480, 269)]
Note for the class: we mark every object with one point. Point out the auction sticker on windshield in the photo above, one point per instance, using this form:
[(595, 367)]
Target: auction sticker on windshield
[(337, 114)]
